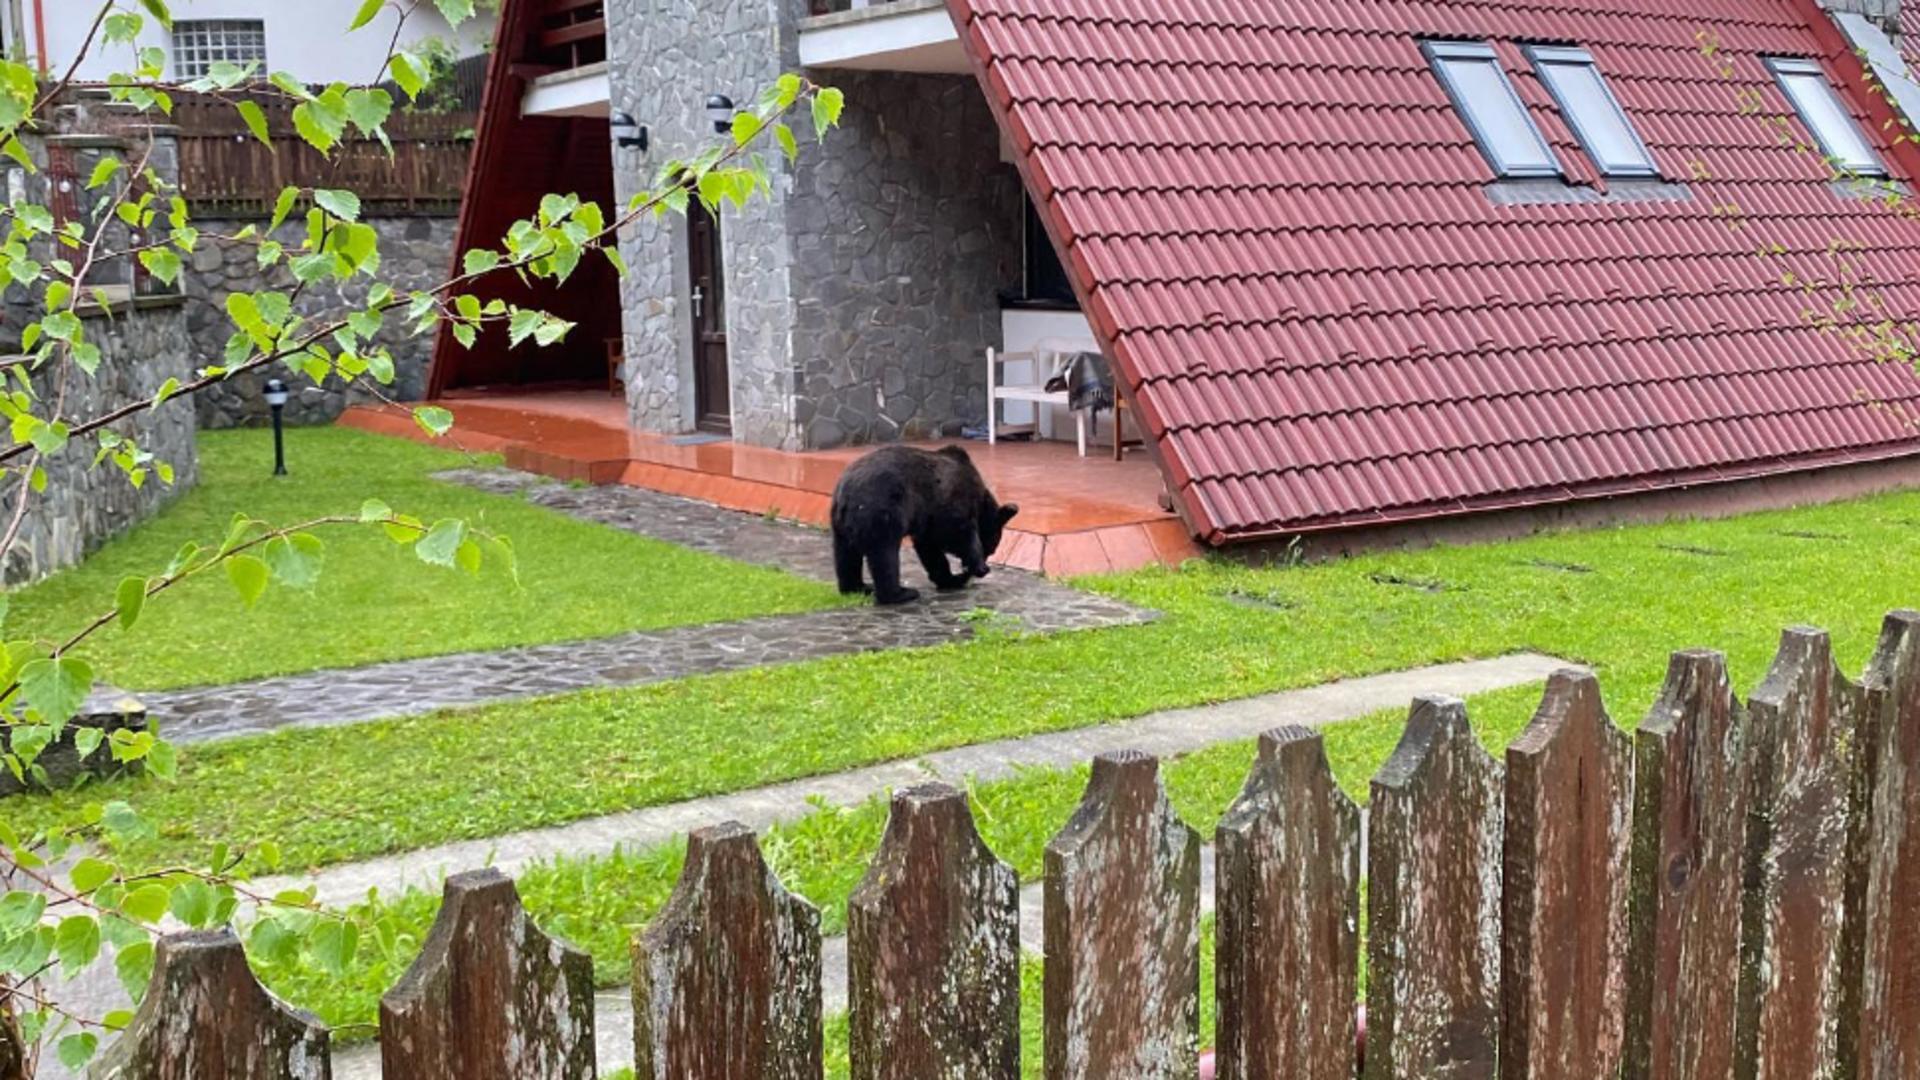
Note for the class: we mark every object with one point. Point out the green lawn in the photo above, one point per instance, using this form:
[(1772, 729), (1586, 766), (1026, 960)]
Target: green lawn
[(375, 601), (1619, 599)]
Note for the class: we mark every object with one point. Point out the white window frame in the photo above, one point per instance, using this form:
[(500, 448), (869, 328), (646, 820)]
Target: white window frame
[(212, 45), (1545, 57), (1787, 69), (1438, 54)]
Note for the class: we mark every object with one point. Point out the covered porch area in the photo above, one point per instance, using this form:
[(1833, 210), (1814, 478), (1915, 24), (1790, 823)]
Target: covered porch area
[(1078, 515)]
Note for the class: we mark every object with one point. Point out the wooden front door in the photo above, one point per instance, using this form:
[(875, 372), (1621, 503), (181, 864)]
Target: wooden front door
[(712, 404)]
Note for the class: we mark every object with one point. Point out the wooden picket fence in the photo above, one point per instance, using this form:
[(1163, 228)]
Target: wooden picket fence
[(1732, 891)]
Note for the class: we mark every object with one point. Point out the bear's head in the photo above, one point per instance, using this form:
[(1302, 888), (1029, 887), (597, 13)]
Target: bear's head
[(992, 525)]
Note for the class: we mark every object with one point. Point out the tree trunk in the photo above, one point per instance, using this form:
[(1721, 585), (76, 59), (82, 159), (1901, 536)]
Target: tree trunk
[(13, 1049)]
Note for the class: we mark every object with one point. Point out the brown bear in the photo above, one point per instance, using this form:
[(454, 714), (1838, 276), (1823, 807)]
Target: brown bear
[(937, 497)]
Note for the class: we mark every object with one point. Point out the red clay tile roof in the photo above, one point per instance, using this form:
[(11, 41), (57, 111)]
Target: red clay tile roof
[(1283, 234)]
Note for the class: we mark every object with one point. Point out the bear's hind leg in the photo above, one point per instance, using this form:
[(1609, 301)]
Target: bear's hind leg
[(846, 565), (884, 560)]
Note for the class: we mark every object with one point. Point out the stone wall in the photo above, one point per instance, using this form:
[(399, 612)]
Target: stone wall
[(415, 252), (664, 57), (905, 226), (143, 344), (1884, 12), (861, 297)]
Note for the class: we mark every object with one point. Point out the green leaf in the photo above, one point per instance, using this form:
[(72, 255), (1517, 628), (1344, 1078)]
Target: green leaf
[(192, 903), (86, 740), (124, 823), (249, 575), (56, 688), (344, 205), (295, 560), (433, 419), (117, 1020), (368, 9), (613, 256), (441, 542), (314, 125), (270, 942), (77, 1049), (77, 942), (408, 73), (479, 260), (467, 556), (103, 171), (827, 106), (89, 874), (158, 9), (368, 109), (129, 599), (161, 263), (145, 904), (788, 144), (20, 909), (134, 965), (465, 334), (256, 120), (282, 206), (745, 126), (333, 945)]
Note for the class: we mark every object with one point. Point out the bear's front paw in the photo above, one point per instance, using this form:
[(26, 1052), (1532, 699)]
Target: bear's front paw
[(952, 584), (904, 596)]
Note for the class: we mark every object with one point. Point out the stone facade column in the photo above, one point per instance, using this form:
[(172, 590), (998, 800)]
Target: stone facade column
[(664, 58)]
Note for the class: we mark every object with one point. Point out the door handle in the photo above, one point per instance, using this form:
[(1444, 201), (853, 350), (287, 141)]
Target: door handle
[(698, 298)]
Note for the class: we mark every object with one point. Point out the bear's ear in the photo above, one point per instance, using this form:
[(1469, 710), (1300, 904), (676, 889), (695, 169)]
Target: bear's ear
[(1007, 510)]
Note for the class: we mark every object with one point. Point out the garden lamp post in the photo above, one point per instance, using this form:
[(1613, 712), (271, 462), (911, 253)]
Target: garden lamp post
[(276, 394)]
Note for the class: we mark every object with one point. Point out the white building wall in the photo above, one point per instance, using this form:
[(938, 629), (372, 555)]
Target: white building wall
[(306, 38)]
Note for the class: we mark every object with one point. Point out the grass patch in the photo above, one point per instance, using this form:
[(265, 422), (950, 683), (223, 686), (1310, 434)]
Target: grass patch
[(353, 792), (376, 601)]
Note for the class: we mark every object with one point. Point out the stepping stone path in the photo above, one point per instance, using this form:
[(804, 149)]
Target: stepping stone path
[(1008, 599)]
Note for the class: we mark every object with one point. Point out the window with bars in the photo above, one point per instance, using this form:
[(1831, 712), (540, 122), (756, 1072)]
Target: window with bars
[(198, 44)]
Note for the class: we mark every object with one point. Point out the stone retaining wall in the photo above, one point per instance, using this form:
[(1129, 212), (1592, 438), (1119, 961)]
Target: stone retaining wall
[(143, 344), (415, 252)]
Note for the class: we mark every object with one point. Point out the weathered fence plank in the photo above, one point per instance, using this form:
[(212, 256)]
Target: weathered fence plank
[(1800, 733), (1122, 983), (1287, 876), (490, 996), (206, 1017), (1433, 903), (726, 980), (1683, 953), (1889, 1039), (933, 941), (1569, 810)]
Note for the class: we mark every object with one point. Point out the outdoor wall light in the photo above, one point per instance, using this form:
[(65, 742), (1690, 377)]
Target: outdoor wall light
[(275, 392), (627, 134), (720, 111)]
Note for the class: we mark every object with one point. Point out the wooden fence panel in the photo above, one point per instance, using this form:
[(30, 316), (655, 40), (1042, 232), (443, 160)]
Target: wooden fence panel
[(1800, 733), (1569, 812), (1433, 903), (1287, 878), (933, 942), (206, 1017), (1889, 1040), (726, 980), (490, 996), (1683, 957), (1122, 984)]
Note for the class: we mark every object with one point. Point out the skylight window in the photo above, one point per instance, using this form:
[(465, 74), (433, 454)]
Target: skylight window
[(1819, 107), (1592, 110), (1471, 74)]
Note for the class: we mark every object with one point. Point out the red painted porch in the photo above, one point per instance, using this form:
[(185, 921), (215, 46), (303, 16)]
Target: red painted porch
[(1077, 515)]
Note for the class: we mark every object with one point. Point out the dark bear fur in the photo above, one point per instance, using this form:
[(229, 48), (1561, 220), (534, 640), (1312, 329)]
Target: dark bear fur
[(936, 497)]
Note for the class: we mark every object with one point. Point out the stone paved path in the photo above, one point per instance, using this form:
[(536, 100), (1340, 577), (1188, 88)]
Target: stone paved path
[(1166, 734), (1018, 601)]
